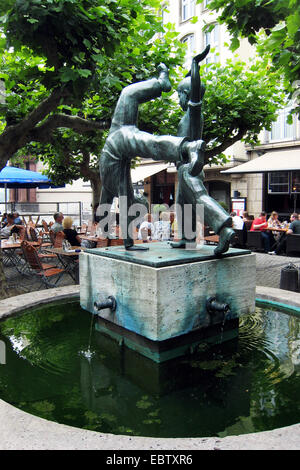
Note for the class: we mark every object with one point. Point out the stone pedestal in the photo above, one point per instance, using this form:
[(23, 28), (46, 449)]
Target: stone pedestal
[(162, 293)]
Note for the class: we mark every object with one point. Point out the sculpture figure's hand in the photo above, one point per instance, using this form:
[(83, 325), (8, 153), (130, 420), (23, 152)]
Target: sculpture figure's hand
[(195, 153), (163, 77)]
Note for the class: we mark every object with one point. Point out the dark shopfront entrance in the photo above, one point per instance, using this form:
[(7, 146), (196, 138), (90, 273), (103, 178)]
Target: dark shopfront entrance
[(163, 188), (282, 193)]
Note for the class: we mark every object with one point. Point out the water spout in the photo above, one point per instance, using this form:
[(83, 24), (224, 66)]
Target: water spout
[(110, 302), (213, 306)]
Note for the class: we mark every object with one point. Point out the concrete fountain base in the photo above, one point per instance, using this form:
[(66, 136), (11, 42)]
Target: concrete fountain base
[(20, 430), (162, 295)]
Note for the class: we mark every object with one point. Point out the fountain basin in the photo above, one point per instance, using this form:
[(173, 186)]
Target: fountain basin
[(20, 430)]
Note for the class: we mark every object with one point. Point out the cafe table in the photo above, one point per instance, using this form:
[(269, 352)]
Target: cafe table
[(11, 251), (69, 260)]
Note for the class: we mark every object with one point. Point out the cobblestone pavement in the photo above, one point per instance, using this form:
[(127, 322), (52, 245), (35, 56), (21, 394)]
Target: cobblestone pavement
[(268, 272), (268, 268)]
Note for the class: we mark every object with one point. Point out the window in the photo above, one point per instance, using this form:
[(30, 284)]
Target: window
[(281, 130), (295, 182), (278, 182), (213, 38), (190, 42), (187, 9), (164, 14)]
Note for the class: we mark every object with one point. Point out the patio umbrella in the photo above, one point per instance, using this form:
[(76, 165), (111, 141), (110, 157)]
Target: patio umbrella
[(12, 177)]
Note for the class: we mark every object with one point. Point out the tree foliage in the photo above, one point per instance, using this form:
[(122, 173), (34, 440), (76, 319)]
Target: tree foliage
[(240, 101), (52, 54), (274, 26)]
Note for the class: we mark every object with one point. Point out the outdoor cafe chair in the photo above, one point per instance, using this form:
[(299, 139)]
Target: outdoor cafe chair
[(45, 231), (59, 238), (48, 274)]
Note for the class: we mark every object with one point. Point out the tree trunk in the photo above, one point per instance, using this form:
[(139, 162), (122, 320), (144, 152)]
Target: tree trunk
[(96, 188)]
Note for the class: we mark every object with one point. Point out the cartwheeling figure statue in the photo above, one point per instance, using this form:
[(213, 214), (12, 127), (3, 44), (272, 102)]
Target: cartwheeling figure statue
[(125, 142), (190, 189)]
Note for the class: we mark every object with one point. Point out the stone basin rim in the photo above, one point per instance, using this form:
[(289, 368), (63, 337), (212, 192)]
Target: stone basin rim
[(22, 431)]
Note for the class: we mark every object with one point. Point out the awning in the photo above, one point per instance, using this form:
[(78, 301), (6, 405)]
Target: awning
[(275, 160), (144, 171)]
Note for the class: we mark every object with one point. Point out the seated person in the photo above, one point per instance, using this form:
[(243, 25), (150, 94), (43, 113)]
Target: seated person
[(71, 234), (9, 228), (146, 228), (18, 220), (245, 216), (294, 227), (237, 222), (57, 226), (273, 222), (3, 220), (260, 224), (162, 228)]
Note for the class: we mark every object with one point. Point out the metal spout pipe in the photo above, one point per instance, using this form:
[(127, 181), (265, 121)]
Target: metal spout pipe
[(213, 306), (110, 302)]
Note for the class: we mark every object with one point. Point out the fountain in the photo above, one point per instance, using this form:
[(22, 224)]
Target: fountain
[(162, 330), (165, 299)]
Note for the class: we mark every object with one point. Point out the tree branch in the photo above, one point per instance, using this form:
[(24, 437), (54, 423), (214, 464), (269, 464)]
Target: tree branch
[(224, 145), (41, 133), (16, 136)]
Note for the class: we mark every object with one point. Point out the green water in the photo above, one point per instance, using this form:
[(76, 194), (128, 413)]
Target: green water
[(247, 385)]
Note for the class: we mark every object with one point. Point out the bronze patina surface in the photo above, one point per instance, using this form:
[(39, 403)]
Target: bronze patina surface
[(160, 255)]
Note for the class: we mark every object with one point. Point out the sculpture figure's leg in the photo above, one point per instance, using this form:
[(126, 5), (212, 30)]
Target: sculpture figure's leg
[(106, 197), (194, 192)]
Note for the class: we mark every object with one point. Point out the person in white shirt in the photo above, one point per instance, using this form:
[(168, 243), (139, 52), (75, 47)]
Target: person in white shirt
[(145, 227), (237, 222), (6, 231), (57, 226), (162, 228)]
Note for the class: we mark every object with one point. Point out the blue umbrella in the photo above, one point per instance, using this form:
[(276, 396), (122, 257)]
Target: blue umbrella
[(11, 177)]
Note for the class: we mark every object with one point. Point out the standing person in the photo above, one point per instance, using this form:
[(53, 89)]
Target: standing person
[(125, 142), (57, 226), (260, 224)]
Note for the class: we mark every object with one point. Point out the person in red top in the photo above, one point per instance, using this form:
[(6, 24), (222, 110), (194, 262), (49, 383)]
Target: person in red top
[(261, 224)]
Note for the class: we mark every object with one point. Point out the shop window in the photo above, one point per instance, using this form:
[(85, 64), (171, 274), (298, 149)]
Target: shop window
[(295, 182), (278, 182), (213, 38), (187, 9)]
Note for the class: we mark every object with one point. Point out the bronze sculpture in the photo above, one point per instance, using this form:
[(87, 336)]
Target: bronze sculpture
[(191, 189), (125, 141)]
